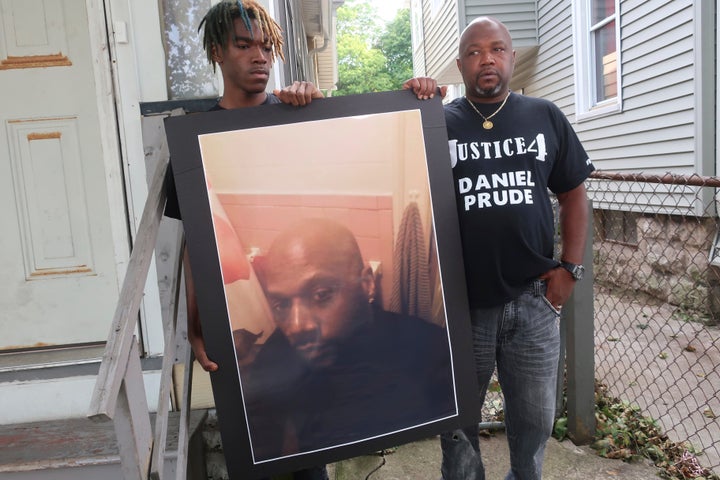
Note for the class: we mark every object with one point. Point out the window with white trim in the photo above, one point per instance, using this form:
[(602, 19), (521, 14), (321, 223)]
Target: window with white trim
[(597, 57)]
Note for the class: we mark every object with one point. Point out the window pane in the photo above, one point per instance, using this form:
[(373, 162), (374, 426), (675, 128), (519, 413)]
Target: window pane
[(620, 227), (605, 62), (613, 229), (189, 73), (601, 9)]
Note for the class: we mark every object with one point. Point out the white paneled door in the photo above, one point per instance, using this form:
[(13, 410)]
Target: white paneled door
[(58, 266)]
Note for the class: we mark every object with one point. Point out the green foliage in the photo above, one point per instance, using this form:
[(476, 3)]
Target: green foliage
[(396, 44), (360, 69), (560, 429), (372, 57), (358, 19)]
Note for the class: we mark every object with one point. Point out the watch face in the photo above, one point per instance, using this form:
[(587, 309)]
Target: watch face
[(576, 271)]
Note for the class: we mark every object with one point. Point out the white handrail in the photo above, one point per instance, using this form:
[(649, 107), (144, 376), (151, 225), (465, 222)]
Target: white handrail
[(117, 349), (119, 393), (161, 418)]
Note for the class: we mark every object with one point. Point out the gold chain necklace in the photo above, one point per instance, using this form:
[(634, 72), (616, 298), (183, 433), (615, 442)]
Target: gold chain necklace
[(487, 124)]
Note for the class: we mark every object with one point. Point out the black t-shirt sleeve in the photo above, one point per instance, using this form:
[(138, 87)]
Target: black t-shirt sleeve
[(574, 165)]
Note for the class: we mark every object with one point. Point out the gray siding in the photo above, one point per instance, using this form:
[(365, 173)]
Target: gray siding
[(441, 40), (667, 66), (549, 74), (442, 31), (520, 16), (655, 131), (417, 8)]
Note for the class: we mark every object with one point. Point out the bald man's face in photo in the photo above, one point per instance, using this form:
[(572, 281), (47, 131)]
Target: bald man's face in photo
[(318, 296)]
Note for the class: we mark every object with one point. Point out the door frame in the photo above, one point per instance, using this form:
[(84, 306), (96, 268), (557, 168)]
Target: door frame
[(125, 39), (102, 72)]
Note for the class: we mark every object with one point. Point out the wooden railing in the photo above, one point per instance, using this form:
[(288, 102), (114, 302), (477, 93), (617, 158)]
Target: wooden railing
[(119, 394)]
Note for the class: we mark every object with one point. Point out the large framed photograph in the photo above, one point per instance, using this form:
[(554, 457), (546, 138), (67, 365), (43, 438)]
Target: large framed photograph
[(326, 258)]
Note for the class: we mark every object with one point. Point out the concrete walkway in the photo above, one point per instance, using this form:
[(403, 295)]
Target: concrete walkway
[(421, 461)]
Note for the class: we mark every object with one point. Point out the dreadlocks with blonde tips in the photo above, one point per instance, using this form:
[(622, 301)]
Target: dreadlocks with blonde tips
[(219, 27)]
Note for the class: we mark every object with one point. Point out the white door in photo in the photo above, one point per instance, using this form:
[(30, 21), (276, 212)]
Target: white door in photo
[(58, 262)]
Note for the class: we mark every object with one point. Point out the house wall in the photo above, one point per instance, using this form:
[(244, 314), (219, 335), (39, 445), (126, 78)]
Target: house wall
[(655, 131), (669, 262), (658, 128), (418, 37), (439, 40), (550, 73), (661, 41), (519, 16)]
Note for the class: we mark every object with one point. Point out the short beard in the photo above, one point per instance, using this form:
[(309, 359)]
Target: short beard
[(486, 92)]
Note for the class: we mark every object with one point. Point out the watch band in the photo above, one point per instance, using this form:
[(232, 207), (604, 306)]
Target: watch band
[(577, 271)]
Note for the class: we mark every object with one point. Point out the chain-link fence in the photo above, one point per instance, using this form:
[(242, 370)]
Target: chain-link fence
[(657, 301)]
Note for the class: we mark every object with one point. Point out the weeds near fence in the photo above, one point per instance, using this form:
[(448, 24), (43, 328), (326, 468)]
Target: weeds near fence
[(624, 433)]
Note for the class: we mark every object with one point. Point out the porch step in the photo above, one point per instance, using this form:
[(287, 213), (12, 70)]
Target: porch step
[(80, 449)]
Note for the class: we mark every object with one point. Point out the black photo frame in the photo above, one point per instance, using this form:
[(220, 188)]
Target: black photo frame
[(315, 159)]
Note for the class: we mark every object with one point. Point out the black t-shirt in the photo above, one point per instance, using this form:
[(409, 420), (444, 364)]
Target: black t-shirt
[(172, 208), (502, 177), (390, 374)]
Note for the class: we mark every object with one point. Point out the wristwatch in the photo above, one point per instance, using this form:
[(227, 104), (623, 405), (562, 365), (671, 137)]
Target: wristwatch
[(577, 271)]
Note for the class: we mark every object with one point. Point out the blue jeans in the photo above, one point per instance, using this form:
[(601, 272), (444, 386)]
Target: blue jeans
[(523, 338)]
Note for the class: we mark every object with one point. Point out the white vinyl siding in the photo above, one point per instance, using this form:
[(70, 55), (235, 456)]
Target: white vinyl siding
[(550, 74), (418, 38), (440, 35), (519, 16), (655, 132)]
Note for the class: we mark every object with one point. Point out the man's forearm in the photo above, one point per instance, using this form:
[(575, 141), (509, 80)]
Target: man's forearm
[(574, 218), (191, 300)]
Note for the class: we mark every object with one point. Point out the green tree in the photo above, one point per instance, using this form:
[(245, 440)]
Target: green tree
[(372, 57), (396, 44), (358, 18)]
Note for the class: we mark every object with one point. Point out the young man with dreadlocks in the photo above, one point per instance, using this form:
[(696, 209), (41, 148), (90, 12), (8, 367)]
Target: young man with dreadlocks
[(242, 38), (244, 41)]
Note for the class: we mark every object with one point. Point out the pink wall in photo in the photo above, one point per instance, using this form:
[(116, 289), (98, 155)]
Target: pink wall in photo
[(258, 218)]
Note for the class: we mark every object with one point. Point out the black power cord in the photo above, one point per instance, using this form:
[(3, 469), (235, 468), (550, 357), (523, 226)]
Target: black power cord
[(382, 455)]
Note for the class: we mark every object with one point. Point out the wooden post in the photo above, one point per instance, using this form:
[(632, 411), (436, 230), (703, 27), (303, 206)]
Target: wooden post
[(115, 358), (170, 330), (184, 434), (132, 422)]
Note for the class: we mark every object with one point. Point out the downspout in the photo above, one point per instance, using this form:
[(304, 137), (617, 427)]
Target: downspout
[(326, 42), (326, 31)]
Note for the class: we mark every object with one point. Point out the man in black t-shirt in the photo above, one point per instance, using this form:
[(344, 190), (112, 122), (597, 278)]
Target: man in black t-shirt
[(508, 151)]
